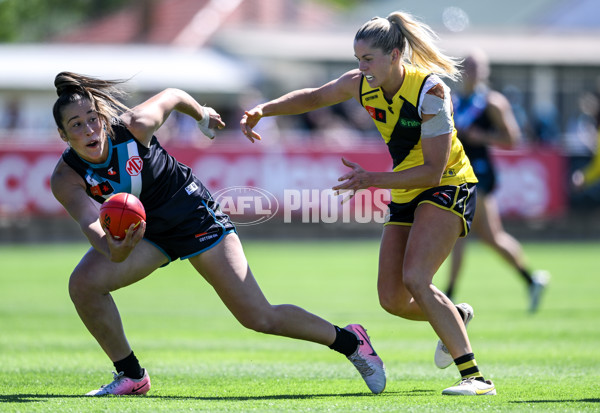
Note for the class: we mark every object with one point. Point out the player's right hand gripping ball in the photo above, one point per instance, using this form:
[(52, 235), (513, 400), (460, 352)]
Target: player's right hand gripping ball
[(119, 211)]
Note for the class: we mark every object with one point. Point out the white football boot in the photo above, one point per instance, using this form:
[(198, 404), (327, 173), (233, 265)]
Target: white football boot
[(442, 357)]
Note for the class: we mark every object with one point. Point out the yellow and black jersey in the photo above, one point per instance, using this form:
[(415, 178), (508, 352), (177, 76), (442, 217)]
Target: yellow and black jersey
[(591, 172), (399, 123)]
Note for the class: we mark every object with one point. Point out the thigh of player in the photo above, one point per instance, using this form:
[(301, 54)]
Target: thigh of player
[(99, 272)]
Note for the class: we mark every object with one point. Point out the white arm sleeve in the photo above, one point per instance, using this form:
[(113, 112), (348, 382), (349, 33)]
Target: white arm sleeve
[(441, 123)]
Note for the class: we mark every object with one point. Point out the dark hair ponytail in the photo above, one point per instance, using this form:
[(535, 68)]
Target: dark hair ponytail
[(103, 94)]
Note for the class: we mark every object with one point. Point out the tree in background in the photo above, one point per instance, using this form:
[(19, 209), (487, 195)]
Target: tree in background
[(24, 21), (30, 21)]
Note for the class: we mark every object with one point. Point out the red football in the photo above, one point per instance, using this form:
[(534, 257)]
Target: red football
[(119, 211)]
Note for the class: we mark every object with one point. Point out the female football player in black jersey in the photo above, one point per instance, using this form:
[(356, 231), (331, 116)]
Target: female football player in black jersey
[(484, 119), (113, 149), (433, 185)]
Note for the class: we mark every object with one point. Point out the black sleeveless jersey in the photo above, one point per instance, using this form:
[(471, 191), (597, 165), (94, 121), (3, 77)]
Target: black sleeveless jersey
[(472, 111), (168, 189)]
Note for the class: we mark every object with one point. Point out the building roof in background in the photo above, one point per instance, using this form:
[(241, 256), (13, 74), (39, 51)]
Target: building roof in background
[(161, 25), (563, 32), (168, 45), (515, 31), (478, 15), (509, 31), (151, 68), (573, 15), (192, 22), (182, 22), (516, 47)]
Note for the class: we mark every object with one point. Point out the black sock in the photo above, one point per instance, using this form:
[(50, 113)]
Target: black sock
[(345, 342), (130, 366), (526, 274)]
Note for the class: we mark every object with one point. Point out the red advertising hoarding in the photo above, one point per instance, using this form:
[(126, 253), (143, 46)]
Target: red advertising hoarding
[(297, 179)]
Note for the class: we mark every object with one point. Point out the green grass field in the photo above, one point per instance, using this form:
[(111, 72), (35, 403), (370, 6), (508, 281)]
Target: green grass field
[(200, 359)]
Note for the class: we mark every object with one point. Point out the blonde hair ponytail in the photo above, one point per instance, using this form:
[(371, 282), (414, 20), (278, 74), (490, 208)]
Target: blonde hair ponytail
[(423, 51), (414, 39)]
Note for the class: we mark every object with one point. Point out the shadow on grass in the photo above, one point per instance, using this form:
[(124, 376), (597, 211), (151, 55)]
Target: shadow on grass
[(36, 398), (558, 401)]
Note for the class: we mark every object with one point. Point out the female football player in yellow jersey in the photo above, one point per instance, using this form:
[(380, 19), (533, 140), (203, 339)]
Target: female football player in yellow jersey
[(432, 182)]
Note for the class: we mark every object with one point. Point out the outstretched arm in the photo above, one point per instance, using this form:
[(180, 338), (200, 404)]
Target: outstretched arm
[(302, 101), (144, 119)]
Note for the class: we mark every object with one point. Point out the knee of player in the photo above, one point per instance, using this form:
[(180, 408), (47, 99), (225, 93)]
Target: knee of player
[(415, 282), (78, 286), (392, 303), (259, 321), (82, 284), (388, 304)]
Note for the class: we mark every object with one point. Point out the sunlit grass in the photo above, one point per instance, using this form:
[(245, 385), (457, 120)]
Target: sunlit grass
[(201, 359)]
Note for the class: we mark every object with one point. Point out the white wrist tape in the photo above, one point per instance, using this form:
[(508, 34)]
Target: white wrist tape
[(203, 124)]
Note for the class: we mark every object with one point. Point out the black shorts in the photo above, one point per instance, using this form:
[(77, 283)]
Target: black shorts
[(459, 200), (202, 230), (485, 173)]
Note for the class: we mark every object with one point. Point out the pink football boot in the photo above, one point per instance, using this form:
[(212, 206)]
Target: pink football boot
[(123, 385), (366, 360)]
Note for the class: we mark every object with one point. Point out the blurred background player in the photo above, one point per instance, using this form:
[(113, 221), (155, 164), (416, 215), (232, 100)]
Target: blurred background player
[(484, 118), (433, 184), (589, 103)]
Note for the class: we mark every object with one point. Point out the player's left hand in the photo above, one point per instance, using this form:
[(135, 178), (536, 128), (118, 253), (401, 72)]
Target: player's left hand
[(249, 121), (352, 181), (121, 248)]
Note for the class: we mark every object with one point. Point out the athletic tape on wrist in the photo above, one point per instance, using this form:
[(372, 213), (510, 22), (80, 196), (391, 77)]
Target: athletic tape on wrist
[(203, 124)]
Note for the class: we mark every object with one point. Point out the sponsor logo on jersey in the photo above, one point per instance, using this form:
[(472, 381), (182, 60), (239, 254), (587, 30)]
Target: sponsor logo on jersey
[(90, 180), (111, 171), (204, 236), (377, 114), (409, 123), (102, 189), (445, 198), (134, 165), (191, 188), (449, 172)]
